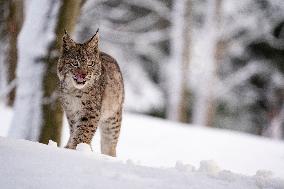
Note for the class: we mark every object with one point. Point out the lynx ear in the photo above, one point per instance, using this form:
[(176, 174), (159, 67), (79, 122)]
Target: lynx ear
[(67, 41), (93, 43)]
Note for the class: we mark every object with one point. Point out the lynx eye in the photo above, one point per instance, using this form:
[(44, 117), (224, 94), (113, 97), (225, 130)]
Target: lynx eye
[(74, 63), (91, 63)]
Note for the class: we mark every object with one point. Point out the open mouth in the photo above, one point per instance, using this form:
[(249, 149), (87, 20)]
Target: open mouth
[(79, 81)]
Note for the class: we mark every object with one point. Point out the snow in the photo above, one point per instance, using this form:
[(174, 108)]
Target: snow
[(52, 143), (5, 119), (157, 143), (31, 165), (209, 167), (152, 153), (83, 147)]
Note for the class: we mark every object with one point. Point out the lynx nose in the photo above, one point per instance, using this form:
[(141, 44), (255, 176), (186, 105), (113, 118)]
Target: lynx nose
[(80, 75)]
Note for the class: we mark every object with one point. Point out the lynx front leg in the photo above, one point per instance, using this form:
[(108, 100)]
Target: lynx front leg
[(110, 130), (71, 126), (83, 131)]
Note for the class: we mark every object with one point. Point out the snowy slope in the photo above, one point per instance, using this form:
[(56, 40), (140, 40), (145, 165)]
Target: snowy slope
[(29, 165), (158, 143), (155, 142)]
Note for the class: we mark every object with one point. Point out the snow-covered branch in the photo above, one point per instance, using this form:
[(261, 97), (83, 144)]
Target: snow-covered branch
[(156, 6)]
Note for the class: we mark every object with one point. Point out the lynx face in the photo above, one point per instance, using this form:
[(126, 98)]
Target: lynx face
[(79, 64), (82, 68)]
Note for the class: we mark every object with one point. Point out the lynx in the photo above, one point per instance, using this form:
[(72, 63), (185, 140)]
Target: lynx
[(91, 92)]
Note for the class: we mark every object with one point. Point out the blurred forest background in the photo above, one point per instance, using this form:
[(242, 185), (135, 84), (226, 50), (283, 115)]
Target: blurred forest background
[(216, 63)]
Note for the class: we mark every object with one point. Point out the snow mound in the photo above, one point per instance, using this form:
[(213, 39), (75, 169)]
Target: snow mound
[(264, 173), (52, 143), (209, 167), (29, 165), (184, 167), (83, 147)]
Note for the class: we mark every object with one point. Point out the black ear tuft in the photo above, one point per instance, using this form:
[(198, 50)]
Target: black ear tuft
[(93, 43), (95, 36)]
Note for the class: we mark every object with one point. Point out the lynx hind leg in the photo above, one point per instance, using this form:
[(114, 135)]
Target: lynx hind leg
[(110, 130)]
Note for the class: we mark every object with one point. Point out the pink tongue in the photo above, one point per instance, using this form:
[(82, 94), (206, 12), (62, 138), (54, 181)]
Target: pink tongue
[(79, 78)]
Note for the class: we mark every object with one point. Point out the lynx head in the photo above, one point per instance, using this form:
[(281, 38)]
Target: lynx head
[(79, 63)]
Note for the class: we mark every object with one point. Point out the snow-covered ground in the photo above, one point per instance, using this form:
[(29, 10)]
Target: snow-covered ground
[(152, 153), (30, 165), (155, 142)]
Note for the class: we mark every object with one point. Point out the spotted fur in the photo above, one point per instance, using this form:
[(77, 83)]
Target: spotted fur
[(92, 93)]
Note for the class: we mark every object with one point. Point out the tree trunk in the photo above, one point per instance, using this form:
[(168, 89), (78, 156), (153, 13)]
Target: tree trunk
[(12, 17), (4, 6), (51, 108), (14, 23), (218, 54), (178, 69), (276, 123), (204, 109), (33, 41)]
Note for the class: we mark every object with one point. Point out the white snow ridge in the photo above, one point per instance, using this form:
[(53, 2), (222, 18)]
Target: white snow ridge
[(83, 147), (30, 165)]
